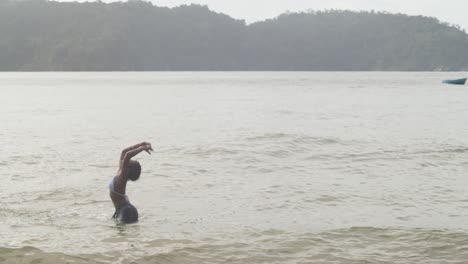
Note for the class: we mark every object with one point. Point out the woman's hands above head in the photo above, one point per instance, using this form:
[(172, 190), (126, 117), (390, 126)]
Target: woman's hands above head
[(148, 148), (144, 146), (131, 152), (134, 147)]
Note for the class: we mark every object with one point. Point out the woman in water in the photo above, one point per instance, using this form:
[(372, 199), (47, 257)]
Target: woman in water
[(129, 169)]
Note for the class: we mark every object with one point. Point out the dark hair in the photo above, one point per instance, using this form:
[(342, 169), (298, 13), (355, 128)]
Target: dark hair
[(133, 170)]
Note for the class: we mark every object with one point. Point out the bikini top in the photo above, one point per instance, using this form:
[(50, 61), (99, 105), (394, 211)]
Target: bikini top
[(111, 188)]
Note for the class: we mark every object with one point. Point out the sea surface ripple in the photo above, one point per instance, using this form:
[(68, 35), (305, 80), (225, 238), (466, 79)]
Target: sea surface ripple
[(255, 167)]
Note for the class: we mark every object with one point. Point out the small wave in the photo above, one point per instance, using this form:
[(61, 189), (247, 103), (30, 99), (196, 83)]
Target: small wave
[(391, 155), (273, 232), (351, 245), (165, 164), (159, 175), (329, 199), (448, 150), (166, 242), (281, 145), (386, 155), (317, 140), (205, 152), (91, 202), (348, 245), (267, 136), (26, 159), (30, 162), (296, 139), (278, 153), (101, 166), (31, 255), (51, 195)]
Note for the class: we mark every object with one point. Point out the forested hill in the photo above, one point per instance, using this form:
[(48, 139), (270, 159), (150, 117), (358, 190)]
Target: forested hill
[(36, 35)]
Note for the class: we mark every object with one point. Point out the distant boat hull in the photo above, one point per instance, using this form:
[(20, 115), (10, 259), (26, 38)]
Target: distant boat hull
[(457, 81)]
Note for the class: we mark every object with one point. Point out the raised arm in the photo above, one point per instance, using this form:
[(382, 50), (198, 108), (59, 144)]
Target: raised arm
[(132, 148), (130, 154)]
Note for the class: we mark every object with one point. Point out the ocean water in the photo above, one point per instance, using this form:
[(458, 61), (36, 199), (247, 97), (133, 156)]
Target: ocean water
[(248, 167)]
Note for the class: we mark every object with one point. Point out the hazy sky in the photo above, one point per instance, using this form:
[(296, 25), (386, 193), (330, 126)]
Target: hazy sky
[(452, 11)]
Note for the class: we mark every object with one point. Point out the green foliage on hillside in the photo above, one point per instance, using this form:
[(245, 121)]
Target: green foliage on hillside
[(41, 35)]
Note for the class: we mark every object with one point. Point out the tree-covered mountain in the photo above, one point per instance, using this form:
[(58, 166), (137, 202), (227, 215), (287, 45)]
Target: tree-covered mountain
[(94, 36)]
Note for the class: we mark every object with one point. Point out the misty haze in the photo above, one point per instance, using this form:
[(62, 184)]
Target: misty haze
[(137, 36)]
